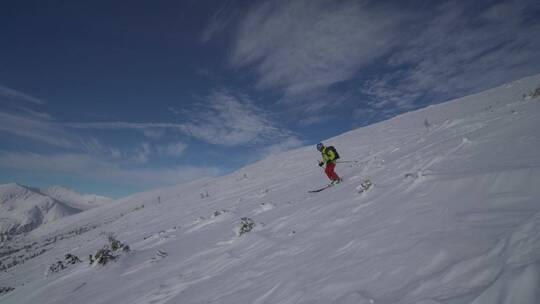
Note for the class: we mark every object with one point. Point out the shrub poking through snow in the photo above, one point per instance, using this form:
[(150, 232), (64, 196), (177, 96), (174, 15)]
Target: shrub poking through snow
[(161, 253), (532, 94), (4, 290), (116, 245), (109, 252), (364, 186), (56, 267), (69, 259), (102, 256), (205, 194), (536, 93), (219, 212), (246, 225), (427, 124), (72, 259)]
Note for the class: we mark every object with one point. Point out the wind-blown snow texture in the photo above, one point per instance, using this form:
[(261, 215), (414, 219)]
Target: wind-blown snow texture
[(453, 216)]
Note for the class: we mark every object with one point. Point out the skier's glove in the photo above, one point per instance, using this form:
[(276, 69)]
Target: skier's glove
[(321, 164)]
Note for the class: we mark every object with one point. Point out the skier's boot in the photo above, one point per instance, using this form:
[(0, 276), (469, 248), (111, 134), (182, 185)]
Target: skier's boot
[(336, 181)]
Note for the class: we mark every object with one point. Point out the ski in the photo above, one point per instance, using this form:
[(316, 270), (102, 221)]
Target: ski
[(320, 189)]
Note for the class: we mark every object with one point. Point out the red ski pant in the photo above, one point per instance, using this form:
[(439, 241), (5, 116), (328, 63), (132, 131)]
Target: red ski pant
[(329, 170)]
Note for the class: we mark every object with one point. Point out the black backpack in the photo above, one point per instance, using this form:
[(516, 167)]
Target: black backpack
[(331, 148)]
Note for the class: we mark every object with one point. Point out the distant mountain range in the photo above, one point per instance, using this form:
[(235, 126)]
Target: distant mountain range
[(24, 208)]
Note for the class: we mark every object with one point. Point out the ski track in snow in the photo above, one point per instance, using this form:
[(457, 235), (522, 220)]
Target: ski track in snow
[(452, 216)]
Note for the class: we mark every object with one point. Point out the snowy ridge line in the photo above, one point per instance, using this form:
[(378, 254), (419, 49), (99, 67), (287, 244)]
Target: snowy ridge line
[(25, 208), (256, 236)]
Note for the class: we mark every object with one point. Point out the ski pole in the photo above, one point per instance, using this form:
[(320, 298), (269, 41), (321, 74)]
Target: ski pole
[(347, 161)]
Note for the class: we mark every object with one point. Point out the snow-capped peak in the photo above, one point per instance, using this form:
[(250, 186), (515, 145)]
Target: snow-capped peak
[(25, 208), (75, 199)]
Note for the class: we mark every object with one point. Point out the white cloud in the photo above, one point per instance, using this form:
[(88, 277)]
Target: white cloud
[(87, 166), (118, 125), (440, 50), (40, 129), (282, 146), (219, 21), (93, 146), (142, 154), (174, 149), (385, 92), (303, 46), (36, 129), (115, 153), (459, 51), (7, 94), (175, 111), (17, 118), (315, 119), (223, 119), (153, 133), (230, 120), (59, 163)]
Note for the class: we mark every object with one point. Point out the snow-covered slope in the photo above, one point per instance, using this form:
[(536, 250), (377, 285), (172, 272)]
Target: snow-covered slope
[(453, 216), (74, 199), (24, 208)]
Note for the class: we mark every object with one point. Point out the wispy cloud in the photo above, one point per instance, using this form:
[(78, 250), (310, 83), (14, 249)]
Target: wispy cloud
[(84, 165), (87, 157), (154, 133), (219, 21), (142, 153), (229, 120), (458, 52), (36, 129), (282, 146), (386, 95), (19, 117), (119, 125), (39, 129), (223, 118), (302, 46), (7, 94), (315, 119), (397, 53), (174, 149)]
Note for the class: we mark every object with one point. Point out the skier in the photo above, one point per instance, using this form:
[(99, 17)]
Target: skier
[(329, 157)]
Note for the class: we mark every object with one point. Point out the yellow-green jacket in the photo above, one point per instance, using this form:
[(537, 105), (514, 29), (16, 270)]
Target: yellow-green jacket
[(327, 155)]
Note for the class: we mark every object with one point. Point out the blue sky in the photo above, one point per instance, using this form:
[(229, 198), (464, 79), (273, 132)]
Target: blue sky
[(114, 97)]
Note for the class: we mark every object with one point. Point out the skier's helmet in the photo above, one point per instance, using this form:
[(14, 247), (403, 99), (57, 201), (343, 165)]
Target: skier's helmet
[(320, 146)]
